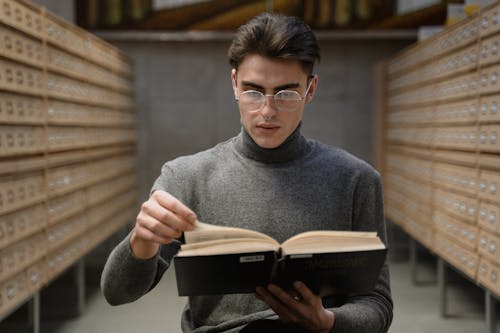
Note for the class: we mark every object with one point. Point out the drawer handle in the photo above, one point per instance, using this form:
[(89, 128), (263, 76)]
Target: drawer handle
[(493, 188), (483, 213), (493, 276), (484, 22), (10, 292), (493, 108), (492, 248), (482, 185), (492, 217), (493, 138)]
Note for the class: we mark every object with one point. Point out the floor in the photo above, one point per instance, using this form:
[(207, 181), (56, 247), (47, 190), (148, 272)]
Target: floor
[(416, 305)]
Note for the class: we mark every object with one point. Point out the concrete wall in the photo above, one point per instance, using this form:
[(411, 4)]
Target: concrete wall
[(185, 101), (64, 8)]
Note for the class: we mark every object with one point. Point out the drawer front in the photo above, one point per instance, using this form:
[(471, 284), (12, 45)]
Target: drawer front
[(489, 22), (461, 207), (465, 234), (488, 138), (489, 275), (488, 217), (20, 224), (463, 138), (20, 191), (462, 179), (488, 109), (465, 260), (456, 113), (488, 186), (488, 246)]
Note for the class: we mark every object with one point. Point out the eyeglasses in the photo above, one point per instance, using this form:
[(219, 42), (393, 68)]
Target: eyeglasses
[(284, 100)]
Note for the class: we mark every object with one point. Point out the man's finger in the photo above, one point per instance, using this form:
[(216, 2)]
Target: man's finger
[(173, 204), (305, 293)]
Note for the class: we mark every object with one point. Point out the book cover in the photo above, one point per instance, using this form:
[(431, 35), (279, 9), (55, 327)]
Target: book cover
[(222, 260)]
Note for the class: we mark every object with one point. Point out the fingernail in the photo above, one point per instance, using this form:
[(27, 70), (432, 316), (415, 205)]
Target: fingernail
[(192, 219), (297, 284)]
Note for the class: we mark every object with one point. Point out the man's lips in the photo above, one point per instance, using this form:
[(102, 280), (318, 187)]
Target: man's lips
[(267, 126)]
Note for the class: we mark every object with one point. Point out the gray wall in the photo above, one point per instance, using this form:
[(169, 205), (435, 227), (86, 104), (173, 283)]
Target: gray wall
[(185, 101)]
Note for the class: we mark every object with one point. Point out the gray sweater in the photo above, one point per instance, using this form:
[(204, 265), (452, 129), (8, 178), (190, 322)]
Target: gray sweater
[(301, 185)]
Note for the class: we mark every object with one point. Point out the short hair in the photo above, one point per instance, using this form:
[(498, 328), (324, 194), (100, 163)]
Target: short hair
[(275, 36)]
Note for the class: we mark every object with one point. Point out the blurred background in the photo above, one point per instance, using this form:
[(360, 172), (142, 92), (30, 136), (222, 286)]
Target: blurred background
[(178, 78)]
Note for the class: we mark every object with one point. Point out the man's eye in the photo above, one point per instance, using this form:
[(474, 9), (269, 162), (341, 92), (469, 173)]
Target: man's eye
[(287, 94), (253, 94)]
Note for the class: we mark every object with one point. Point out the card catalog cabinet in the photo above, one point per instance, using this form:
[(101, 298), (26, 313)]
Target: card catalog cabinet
[(441, 154), (67, 147)]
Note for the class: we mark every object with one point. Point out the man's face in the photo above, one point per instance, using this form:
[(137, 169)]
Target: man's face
[(268, 126)]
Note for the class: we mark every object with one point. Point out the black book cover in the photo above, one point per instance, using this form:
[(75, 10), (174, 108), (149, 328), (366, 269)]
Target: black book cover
[(324, 273)]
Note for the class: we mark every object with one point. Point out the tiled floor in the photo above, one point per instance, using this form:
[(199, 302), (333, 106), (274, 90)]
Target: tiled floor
[(416, 306)]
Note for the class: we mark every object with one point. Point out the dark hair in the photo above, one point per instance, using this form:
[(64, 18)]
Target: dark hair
[(275, 36)]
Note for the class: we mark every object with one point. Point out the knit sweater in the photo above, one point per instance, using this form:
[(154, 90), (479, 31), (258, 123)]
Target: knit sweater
[(299, 186)]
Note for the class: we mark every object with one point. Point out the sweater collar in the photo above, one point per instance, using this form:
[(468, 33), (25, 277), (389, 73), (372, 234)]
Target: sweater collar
[(292, 148)]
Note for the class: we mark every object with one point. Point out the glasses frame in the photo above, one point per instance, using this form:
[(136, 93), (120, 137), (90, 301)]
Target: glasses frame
[(301, 98)]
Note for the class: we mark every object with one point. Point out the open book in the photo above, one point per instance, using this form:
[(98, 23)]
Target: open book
[(225, 260)]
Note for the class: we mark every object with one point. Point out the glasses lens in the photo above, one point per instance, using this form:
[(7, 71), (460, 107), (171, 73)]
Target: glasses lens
[(287, 100), (251, 100)]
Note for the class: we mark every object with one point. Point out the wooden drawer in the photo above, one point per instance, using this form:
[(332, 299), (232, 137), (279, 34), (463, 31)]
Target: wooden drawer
[(61, 233), (17, 289), (489, 21), (488, 109), (421, 115), (19, 47), (488, 246), (489, 161), (488, 275), (20, 78), (19, 256), (488, 138), (20, 224), (489, 51), (20, 191), (457, 178), (66, 179), (19, 140), (468, 159), (461, 207), (488, 80), (416, 136), (465, 260), (465, 234), (22, 16), (489, 217), (64, 256), (17, 109), (466, 85), (488, 186), (456, 113), (462, 138), (61, 208), (101, 213)]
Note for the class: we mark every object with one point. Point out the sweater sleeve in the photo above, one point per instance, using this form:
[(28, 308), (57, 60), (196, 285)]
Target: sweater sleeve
[(126, 278), (372, 312)]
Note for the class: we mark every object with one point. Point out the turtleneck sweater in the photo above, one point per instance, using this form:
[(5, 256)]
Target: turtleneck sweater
[(301, 185)]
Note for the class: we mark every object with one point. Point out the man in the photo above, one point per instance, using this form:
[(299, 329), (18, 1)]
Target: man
[(269, 178)]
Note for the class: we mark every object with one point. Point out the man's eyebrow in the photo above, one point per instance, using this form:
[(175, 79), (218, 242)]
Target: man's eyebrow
[(278, 88)]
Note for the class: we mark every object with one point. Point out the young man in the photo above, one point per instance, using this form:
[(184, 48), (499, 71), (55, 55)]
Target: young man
[(268, 178)]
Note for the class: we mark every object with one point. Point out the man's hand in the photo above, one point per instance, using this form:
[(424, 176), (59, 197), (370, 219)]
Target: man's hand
[(305, 309), (162, 219)]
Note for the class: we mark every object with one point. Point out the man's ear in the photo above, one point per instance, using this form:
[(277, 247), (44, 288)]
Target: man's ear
[(233, 82), (312, 89)]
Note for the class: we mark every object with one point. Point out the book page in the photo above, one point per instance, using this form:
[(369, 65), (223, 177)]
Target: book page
[(228, 246), (207, 232), (332, 241)]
